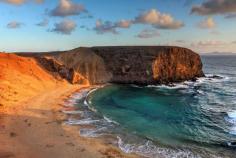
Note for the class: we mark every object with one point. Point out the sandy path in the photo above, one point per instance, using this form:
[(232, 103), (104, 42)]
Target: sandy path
[(33, 130)]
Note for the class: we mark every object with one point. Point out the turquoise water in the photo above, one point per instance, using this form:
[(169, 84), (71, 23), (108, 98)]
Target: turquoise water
[(190, 119)]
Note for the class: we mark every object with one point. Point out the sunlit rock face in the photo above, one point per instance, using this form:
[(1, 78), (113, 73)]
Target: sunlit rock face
[(176, 64), (150, 65)]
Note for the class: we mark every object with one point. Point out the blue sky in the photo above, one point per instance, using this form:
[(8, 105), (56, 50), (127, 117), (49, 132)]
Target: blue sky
[(67, 24)]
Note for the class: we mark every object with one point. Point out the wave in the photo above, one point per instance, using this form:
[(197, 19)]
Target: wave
[(232, 114), (76, 97), (110, 120), (88, 132), (231, 118), (171, 86), (187, 84), (73, 112), (148, 149), (212, 78), (136, 86), (87, 102), (87, 121), (209, 78)]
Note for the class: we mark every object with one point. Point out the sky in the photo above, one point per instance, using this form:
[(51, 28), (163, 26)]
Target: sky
[(50, 25)]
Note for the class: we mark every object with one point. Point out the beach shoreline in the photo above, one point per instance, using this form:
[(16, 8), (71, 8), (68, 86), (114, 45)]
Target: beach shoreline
[(34, 128)]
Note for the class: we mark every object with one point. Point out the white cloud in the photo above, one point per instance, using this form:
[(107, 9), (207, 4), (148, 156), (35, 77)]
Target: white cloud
[(158, 20), (110, 27), (207, 23), (123, 24), (105, 27), (65, 27)]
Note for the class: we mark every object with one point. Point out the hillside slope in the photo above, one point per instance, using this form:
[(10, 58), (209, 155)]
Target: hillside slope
[(21, 78)]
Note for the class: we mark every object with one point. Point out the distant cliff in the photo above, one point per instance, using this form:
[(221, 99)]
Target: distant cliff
[(132, 64)]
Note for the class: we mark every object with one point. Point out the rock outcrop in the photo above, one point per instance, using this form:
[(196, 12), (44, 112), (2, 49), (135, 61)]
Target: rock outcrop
[(129, 64), (87, 63), (137, 64)]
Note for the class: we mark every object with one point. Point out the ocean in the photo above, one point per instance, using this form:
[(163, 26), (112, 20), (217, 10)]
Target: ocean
[(189, 119)]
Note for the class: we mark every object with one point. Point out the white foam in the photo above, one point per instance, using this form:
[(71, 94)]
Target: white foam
[(136, 86), (210, 78), (200, 92), (233, 130), (72, 112), (76, 97), (92, 132), (232, 114), (231, 118), (88, 102), (148, 149), (173, 86), (93, 90), (86, 121), (110, 120), (85, 102)]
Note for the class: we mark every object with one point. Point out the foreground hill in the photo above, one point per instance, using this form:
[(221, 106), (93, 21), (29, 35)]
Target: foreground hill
[(21, 77), (131, 64)]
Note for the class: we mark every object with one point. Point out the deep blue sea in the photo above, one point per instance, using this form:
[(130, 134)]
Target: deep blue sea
[(189, 119)]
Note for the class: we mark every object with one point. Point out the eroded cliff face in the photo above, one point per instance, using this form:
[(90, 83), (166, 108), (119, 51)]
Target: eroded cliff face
[(87, 63), (138, 65), (59, 70)]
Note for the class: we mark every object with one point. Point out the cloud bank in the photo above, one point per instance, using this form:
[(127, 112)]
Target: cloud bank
[(151, 17), (110, 27), (208, 43), (158, 20), (215, 7), (14, 25)]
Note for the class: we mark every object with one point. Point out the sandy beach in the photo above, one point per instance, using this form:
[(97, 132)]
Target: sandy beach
[(33, 129)]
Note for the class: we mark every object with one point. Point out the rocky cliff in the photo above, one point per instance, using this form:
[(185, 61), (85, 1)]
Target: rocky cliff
[(56, 68), (132, 64)]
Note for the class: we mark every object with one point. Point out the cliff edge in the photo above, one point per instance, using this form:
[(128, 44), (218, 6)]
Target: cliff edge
[(133, 64)]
